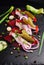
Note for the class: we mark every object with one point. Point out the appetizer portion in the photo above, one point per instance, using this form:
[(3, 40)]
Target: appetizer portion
[(20, 27)]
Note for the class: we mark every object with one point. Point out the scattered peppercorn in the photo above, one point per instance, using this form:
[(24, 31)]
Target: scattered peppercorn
[(5, 24), (25, 54), (26, 57), (39, 36), (14, 48), (35, 61), (11, 52)]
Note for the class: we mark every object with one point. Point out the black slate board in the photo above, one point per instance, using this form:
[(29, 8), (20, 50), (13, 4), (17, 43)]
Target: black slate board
[(34, 59)]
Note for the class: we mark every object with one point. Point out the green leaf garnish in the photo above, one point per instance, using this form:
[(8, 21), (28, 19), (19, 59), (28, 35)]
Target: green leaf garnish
[(8, 12)]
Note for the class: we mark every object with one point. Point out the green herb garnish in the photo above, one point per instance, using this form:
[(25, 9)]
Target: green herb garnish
[(34, 10), (26, 57), (8, 12), (17, 35)]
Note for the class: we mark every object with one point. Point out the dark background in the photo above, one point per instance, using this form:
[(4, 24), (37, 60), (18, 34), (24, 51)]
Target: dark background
[(5, 57), (4, 4), (22, 3)]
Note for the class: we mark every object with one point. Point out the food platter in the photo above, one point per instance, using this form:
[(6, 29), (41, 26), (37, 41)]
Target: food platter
[(11, 57)]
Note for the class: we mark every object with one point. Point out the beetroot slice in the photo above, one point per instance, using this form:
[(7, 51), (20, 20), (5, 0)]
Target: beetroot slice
[(11, 23), (18, 20), (15, 29), (8, 38), (35, 41)]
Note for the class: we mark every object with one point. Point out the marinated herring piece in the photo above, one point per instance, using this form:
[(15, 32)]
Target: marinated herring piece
[(8, 12), (31, 15), (26, 36), (25, 45)]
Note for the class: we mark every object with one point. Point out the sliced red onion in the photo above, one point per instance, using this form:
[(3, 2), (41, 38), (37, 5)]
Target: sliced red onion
[(21, 17), (28, 50), (36, 29), (37, 45)]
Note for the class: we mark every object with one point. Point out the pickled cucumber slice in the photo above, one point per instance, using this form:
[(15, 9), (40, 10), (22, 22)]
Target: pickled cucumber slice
[(3, 45)]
